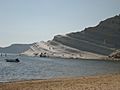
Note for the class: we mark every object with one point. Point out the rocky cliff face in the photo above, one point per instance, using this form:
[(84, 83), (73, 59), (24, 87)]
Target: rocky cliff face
[(101, 39), (92, 42)]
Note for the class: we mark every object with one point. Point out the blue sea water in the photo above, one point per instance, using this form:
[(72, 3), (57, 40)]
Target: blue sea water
[(44, 68)]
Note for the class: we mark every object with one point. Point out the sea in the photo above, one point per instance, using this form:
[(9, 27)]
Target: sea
[(31, 68)]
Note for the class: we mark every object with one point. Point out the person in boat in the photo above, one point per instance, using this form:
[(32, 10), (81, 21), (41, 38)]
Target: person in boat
[(41, 55)]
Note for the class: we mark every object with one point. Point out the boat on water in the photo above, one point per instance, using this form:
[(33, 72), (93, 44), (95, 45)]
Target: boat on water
[(12, 60)]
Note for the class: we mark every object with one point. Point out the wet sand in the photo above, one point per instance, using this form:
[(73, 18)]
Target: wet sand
[(103, 82)]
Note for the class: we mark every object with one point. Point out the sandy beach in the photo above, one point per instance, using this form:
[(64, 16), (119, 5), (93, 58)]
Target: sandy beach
[(102, 82)]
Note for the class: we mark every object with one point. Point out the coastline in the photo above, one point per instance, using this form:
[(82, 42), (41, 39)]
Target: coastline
[(105, 58), (100, 82)]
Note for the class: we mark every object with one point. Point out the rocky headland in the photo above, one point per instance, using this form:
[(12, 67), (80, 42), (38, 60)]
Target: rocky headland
[(91, 43)]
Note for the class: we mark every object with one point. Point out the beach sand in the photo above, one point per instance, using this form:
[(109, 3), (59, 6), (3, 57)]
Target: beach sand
[(103, 82)]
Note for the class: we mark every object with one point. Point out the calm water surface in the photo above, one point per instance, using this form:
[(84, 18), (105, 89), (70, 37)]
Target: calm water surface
[(45, 68)]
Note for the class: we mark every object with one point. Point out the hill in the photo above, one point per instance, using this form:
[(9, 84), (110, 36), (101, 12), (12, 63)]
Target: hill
[(101, 39), (15, 48), (92, 42)]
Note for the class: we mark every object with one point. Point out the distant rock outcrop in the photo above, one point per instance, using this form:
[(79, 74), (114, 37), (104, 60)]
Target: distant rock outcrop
[(93, 42), (15, 48)]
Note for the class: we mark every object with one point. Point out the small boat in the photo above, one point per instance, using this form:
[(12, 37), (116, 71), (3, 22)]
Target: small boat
[(12, 60)]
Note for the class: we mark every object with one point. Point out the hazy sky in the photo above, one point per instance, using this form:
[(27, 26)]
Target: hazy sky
[(27, 21)]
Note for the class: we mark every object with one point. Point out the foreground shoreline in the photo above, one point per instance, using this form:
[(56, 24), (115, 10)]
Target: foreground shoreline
[(102, 82)]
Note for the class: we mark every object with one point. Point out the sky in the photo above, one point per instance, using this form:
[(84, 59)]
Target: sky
[(28, 21)]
